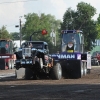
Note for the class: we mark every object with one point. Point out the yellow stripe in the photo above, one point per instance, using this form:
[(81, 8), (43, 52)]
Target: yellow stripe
[(70, 50)]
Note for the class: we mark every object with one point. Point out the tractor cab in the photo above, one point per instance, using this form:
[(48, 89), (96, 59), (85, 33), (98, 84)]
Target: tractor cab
[(72, 41), (6, 46)]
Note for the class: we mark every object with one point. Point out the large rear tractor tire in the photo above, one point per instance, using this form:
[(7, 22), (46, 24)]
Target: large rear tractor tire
[(78, 72), (28, 74), (56, 72)]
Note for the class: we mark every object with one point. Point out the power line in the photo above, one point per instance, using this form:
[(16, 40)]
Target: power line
[(17, 1)]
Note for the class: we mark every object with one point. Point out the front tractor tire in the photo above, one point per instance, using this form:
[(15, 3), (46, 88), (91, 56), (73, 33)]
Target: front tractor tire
[(24, 73), (56, 72)]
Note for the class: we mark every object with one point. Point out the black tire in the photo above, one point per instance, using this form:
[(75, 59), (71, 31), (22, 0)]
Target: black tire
[(88, 71), (56, 72), (2, 64), (85, 69), (28, 74), (78, 72)]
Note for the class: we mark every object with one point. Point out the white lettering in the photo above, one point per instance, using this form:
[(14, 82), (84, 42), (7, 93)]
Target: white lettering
[(68, 56), (4, 56), (72, 56), (64, 56), (58, 56)]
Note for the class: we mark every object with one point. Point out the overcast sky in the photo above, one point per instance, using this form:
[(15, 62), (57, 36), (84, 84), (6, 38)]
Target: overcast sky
[(11, 10)]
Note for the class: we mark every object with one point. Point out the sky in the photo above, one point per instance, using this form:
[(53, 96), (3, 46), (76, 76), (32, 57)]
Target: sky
[(13, 10)]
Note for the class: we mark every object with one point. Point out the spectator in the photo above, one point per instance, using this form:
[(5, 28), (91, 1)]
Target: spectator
[(30, 45), (74, 42)]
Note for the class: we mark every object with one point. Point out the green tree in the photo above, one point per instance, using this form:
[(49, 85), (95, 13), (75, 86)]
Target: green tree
[(35, 23), (98, 27), (15, 36), (69, 19), (4, 34), (81, 19)]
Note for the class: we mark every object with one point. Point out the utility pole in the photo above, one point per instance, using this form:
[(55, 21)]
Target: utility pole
[(20, 30), (55, 38)]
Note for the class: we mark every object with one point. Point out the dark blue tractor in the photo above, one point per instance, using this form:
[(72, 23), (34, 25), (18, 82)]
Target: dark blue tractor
[(33, 61)]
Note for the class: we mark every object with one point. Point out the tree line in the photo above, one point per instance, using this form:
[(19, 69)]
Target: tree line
[(79, 19)]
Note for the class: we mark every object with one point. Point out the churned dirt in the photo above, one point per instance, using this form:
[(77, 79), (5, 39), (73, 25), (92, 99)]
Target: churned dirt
[(85, 88)]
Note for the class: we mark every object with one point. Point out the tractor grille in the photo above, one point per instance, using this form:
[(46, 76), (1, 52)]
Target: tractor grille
[(26, 52)]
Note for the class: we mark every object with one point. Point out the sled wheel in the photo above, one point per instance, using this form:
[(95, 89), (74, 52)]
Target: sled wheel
[(85, 69), (56, 72), (12, 64), (9, 64), (41, 63), (82, 69)]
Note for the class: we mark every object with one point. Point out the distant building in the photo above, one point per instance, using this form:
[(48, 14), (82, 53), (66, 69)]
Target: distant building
[(97, 46), (17, 44), (97, 42)]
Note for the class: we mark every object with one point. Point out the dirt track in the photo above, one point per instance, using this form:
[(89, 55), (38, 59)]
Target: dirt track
[(86, 88)]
